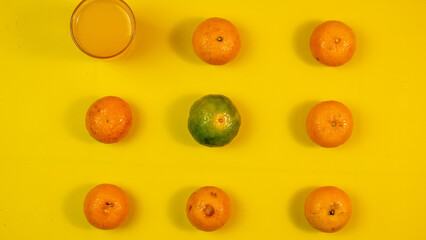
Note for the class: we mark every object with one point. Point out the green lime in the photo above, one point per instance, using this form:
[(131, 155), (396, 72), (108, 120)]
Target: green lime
[(214, 120)]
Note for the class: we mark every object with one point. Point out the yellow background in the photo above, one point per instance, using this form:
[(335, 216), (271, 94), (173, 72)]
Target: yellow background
[(49, 162)]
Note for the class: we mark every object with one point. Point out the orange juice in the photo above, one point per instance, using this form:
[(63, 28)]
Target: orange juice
[(103, 28)]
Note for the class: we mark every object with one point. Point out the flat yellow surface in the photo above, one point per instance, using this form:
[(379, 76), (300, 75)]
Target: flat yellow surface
[(49, 162)]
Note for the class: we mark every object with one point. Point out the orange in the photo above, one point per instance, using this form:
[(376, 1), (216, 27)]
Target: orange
[(109, 119), (216, 41), (208, 208), (328, 209), (333, 43), (106, 206), (329, 124)]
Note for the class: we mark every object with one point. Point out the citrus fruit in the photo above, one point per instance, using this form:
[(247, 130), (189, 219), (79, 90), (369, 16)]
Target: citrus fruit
[(328, 209), (109, 119), (329, 124), (208, 208), (106, 206), (216, 41), (214, 120), (333, 43)]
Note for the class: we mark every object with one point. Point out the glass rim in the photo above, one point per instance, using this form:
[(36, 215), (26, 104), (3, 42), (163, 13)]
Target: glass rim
[(129, 13)]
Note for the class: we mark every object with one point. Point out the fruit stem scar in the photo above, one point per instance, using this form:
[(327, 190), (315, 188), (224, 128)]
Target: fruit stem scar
[(209, 210), (219, 39), (332, 212), (333, 124), (337, 40)]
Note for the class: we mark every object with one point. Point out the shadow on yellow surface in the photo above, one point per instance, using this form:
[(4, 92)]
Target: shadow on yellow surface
[(247, 46), (133, 213), (177, 119), (238, 214), (73, 206), (147, 39), (181, 39), (137, 125), (74, 119), (297, 123), (177, 208), (246, 127), (301, 40), (358, 115), (296, 209)]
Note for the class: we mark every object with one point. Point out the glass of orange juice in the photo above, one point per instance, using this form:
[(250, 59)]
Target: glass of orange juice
[(103, 28)]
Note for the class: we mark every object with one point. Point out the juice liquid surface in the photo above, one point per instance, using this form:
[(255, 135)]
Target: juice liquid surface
[(103, 28)]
